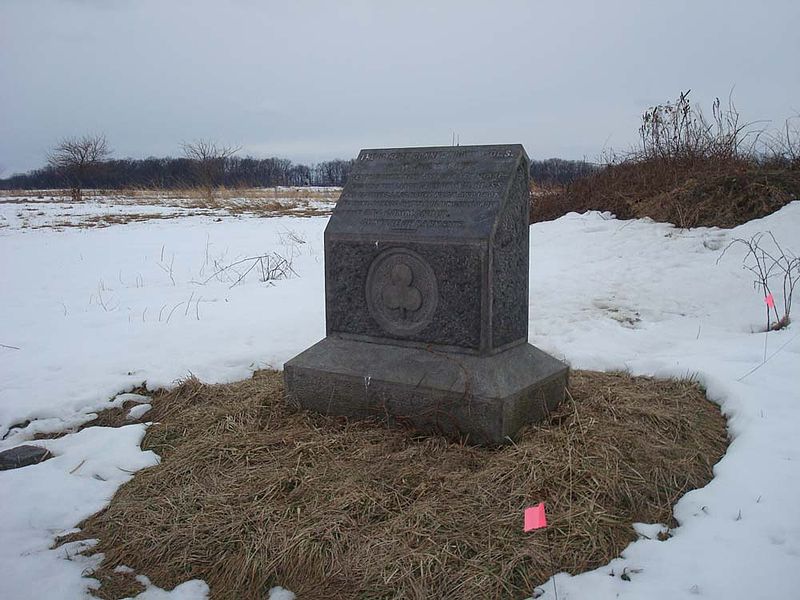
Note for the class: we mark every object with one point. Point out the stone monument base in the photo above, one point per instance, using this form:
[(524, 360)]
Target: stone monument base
[(486, 399)]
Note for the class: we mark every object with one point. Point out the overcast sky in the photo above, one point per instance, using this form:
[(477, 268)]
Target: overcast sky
[(315, 80)]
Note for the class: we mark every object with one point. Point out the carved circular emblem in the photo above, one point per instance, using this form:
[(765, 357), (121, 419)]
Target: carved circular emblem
[(401, 291)]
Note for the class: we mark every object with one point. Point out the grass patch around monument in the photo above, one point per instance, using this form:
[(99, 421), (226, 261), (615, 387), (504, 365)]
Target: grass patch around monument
[(252, 493)]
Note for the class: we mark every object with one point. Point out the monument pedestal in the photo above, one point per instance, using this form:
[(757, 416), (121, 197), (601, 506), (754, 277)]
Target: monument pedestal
[(484, 398)]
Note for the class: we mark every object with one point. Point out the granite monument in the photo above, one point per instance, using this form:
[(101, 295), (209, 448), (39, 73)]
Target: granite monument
[(426, 297)]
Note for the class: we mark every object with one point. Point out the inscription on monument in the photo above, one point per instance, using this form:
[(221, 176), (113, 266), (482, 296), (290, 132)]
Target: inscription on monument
[(413, 190)]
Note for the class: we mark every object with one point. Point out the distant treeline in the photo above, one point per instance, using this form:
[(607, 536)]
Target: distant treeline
[(557, 171), (170, 173)]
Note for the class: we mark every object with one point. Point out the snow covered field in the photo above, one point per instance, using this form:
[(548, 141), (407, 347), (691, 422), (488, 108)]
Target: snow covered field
[(45, 208), (88, 314)]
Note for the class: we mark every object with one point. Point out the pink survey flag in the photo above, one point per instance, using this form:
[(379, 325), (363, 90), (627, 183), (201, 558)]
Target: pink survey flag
[(535, 517), (770, 301)]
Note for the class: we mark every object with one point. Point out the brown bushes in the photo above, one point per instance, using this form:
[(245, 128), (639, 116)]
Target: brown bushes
[(702, 194), (689, 172)]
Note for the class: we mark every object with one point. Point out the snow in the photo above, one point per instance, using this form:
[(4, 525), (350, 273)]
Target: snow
[(279, 593), (138, 411), (42, 501), (739, 536), (97, 312), (89, 314), (189, 590)]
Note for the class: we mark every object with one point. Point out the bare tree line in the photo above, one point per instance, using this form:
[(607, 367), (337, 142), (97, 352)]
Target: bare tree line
[(84, 162), (557, 171)]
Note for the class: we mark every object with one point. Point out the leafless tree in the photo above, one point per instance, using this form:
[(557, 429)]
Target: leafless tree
[(209, 161), (78, 158)]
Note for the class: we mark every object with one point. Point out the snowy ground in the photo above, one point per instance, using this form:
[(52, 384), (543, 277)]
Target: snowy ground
[(88, 314)]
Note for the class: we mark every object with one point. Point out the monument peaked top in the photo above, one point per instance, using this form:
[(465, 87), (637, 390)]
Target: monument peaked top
[(427, 192), (445, 152)]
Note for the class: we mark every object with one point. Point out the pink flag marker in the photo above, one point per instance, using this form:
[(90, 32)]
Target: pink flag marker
[(770, 301), (535, 517)]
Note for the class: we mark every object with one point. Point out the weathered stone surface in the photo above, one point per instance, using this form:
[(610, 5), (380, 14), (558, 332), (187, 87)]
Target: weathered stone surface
[(484, 399), (456, 219), (456, 299), (22, 456), (426, 297)]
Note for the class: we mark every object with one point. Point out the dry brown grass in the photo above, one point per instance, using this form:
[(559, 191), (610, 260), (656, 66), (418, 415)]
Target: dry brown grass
[(233, 193), (294, 201), (100, 221), (252, 493), (701, 193)]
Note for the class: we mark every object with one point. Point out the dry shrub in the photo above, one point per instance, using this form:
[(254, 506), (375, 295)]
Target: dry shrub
[(689, 171), (701, 194), (252, 493)]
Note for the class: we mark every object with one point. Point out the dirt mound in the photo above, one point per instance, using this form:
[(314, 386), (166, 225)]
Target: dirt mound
[(252, 493)]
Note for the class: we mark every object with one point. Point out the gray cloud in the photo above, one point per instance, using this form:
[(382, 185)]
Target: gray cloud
[(314, 80)]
